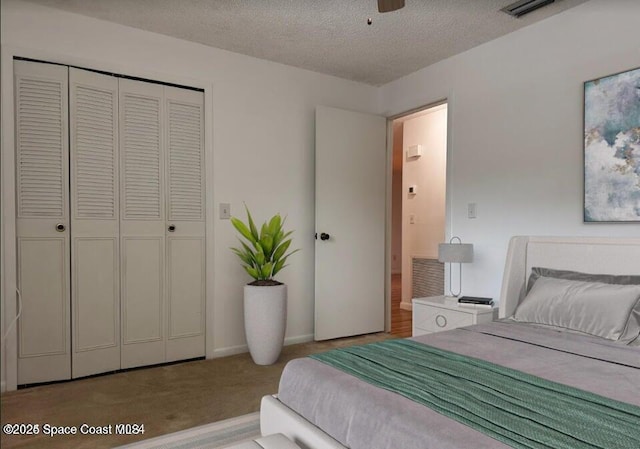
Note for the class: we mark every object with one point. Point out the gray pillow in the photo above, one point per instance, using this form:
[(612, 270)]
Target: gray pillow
[(536, 272), (610, 311)]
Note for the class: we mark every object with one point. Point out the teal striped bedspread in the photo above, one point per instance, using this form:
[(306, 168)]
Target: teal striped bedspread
[(518, 409)]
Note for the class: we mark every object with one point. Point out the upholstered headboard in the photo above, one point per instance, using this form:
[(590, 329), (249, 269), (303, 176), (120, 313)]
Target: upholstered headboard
[(598, 255)]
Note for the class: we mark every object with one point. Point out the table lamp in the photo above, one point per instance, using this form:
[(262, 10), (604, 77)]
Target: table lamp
[(455, 253)]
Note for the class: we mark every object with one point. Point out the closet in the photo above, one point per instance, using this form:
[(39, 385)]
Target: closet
[(110, 189)]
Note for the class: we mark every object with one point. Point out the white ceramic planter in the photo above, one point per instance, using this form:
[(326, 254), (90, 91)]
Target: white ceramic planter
[(265, 321)]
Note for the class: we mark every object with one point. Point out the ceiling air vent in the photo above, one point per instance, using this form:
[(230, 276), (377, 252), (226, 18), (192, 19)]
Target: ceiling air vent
[(519, 9)]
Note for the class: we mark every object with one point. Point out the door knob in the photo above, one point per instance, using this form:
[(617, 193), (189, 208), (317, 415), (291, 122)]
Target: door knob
[(324, 236), (60, 227), (172, 228)]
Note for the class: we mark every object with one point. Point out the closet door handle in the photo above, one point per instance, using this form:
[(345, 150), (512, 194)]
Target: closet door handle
[(172, 228), (60, 227)]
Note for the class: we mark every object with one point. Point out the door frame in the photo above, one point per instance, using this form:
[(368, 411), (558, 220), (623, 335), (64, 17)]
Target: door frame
[(8, 261), (438, 100)]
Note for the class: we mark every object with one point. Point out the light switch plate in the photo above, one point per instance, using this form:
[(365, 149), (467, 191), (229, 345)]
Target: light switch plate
[(225, 211), (412, 218)]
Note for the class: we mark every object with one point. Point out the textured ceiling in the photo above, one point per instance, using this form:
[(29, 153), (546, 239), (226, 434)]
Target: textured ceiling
[(327, 36)]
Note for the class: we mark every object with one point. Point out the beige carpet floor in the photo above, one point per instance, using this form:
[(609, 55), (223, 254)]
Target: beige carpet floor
[(165, 398)]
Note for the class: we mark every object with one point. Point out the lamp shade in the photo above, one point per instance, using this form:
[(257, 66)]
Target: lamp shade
[(455, 252)]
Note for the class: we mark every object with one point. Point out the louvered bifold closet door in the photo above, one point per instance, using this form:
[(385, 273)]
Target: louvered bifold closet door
[(42, 192), (95, 262), (186, 223), (142, 224)]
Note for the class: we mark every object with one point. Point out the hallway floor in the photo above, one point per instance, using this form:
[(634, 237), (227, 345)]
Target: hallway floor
[(400, 319)]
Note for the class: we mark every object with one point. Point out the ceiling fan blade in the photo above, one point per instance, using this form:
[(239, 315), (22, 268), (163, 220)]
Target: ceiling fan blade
[(390, 5)]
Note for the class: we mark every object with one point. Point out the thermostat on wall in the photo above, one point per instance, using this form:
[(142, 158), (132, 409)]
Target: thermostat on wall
[(414, 151)]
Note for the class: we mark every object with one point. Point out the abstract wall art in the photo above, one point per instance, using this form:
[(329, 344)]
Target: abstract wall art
[(612, 148)]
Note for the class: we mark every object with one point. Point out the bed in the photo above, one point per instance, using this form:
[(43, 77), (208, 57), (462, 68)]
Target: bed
[(323, 405)]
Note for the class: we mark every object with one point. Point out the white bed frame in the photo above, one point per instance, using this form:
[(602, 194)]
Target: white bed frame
[(585, 254)]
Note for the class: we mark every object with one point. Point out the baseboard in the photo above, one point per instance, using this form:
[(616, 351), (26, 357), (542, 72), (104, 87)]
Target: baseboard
[(230, 350), (298, 339), (406, 305), (240, 349)]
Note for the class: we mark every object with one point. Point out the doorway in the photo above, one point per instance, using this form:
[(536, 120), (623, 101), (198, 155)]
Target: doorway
[(418, 210)]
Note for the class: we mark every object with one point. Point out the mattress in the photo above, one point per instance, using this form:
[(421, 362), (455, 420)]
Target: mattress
[(360, 416)]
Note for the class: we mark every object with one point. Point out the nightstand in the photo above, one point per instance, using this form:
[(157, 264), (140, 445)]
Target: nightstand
[(439, 313)]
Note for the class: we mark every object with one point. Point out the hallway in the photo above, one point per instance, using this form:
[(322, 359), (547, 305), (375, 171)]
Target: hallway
[(400, 319)]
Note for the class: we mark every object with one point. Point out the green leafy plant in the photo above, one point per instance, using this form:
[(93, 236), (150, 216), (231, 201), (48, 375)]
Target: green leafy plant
[(263, 254)]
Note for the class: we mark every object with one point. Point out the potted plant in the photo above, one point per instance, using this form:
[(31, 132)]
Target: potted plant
[(263, 255)]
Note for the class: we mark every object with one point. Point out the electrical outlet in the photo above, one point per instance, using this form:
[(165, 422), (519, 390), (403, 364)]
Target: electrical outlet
[(472, 210), (225, 211), (412, 218)]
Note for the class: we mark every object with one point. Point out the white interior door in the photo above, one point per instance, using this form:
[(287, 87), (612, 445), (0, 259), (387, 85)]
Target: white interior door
[(185, 231), (42, 192), (142, 224), (95, 264), (350, 223)]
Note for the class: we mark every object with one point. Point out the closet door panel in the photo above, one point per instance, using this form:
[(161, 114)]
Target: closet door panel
[(185, 159), (186, 224), (42, 158), (143, 335), (44, 324), (96, 326), (142, 223), (95, 222), (142, 160), (186, 291), (41, 279), (143, 289), (96, 284)]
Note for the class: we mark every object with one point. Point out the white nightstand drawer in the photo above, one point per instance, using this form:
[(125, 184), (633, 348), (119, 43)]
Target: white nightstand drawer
[(434, 319), (440, 313)]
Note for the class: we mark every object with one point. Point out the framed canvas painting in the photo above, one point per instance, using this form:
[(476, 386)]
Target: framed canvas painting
[(612, 148)]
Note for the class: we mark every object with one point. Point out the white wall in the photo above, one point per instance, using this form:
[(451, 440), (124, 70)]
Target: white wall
[(260, 131), (428, 174), (515, 128)]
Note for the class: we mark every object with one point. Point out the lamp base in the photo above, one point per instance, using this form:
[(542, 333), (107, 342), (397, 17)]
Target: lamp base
[(452, 300)]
